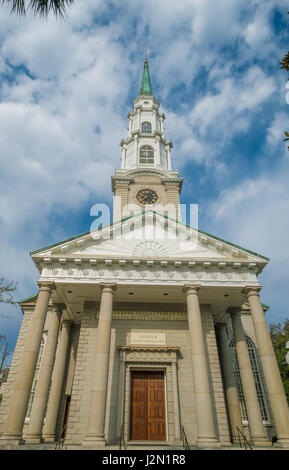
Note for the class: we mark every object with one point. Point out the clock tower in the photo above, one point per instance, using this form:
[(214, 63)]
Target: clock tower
[(146, 178)]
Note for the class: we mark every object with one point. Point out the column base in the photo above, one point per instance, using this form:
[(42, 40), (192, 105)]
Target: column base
[(208, 442), (178, 442), (48, 437), (94, 441), (12, 439), (282, 443), (33, 439), (262, 442)]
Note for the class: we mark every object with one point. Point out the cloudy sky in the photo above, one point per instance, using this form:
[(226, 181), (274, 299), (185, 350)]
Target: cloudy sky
[(66, 88)]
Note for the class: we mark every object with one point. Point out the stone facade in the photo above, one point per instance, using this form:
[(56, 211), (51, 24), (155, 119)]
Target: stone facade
[(130, 318), (176, 333)]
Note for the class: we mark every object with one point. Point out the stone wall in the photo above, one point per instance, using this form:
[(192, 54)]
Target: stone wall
[(177, 335)]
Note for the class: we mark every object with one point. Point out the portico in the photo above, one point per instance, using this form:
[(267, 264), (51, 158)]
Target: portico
[(193, 311)]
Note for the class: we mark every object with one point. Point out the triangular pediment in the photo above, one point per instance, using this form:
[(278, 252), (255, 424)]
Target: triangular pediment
[(149, 235)]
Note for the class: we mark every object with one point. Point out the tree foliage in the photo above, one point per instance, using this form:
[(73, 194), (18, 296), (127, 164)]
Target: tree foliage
[(287, 137), (6, 290), (39, 7), (285, 62), (280, 336)]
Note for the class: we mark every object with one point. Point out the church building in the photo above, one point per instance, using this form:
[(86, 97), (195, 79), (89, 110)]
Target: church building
[(146, 333)]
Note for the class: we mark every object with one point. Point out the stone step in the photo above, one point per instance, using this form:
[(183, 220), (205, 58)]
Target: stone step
[(129, 447)]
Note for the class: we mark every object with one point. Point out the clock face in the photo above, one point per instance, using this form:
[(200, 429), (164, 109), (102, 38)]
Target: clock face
[(147, 196)]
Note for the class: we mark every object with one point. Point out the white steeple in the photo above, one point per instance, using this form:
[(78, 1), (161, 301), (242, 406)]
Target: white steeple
[(146, 177), (145, 145)]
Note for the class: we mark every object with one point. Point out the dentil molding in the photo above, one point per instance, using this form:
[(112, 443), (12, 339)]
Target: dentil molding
[(149, 271)]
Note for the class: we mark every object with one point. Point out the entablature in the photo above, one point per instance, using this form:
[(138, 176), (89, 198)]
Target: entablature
[(148, 271)]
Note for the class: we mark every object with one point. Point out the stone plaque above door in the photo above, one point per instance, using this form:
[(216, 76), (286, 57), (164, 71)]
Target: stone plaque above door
[(147, 338)]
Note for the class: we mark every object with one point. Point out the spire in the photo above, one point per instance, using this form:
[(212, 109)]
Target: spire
[(146, 86)]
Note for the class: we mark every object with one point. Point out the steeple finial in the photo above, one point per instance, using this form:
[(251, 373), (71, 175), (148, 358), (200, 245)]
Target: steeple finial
[(146, 86)]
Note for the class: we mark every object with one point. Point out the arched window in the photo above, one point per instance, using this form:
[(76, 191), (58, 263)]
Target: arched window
[(258, 380), (146, 128), (146, 155)]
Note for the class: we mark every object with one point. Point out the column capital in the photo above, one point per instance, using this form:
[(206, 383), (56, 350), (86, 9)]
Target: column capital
[(59, 306), (46, 285), (234, 311), (67, 323), (108, 287), (191, 289), (251, 290)]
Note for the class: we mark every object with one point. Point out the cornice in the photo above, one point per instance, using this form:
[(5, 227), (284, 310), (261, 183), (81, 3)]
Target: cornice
[(145, 136), (145, 97), (147, 272), (143, 109), (167, 175)]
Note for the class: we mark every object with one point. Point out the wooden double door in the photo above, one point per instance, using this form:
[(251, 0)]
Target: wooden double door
[(148, 410)]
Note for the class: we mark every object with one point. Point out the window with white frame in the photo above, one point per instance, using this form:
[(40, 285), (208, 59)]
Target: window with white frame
[(146, 155), (146, 128), (258, 380)]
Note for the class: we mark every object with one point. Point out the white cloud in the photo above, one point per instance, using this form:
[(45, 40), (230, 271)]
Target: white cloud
[(216, 23), (255, 215), (275, 132), (202, 132)]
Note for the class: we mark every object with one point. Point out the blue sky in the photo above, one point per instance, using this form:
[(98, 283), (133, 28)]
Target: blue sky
[(66, 88)]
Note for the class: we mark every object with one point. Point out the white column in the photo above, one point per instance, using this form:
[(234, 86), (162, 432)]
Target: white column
[(19, 401), (255, 422), (136, 149), (229, 382), (162, 124), (158, 151), (129, 125), (203, 399), (123, 155), (44, 378), (169, 161), (49, 431), (96, 421), (270, 367)]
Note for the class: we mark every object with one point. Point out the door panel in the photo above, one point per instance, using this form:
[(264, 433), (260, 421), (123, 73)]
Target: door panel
[(148, 406), (156, 407), (139, 406)]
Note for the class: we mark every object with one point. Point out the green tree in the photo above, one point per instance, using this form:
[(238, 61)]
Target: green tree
[(285, 62), (39, 7), (279, 336)]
